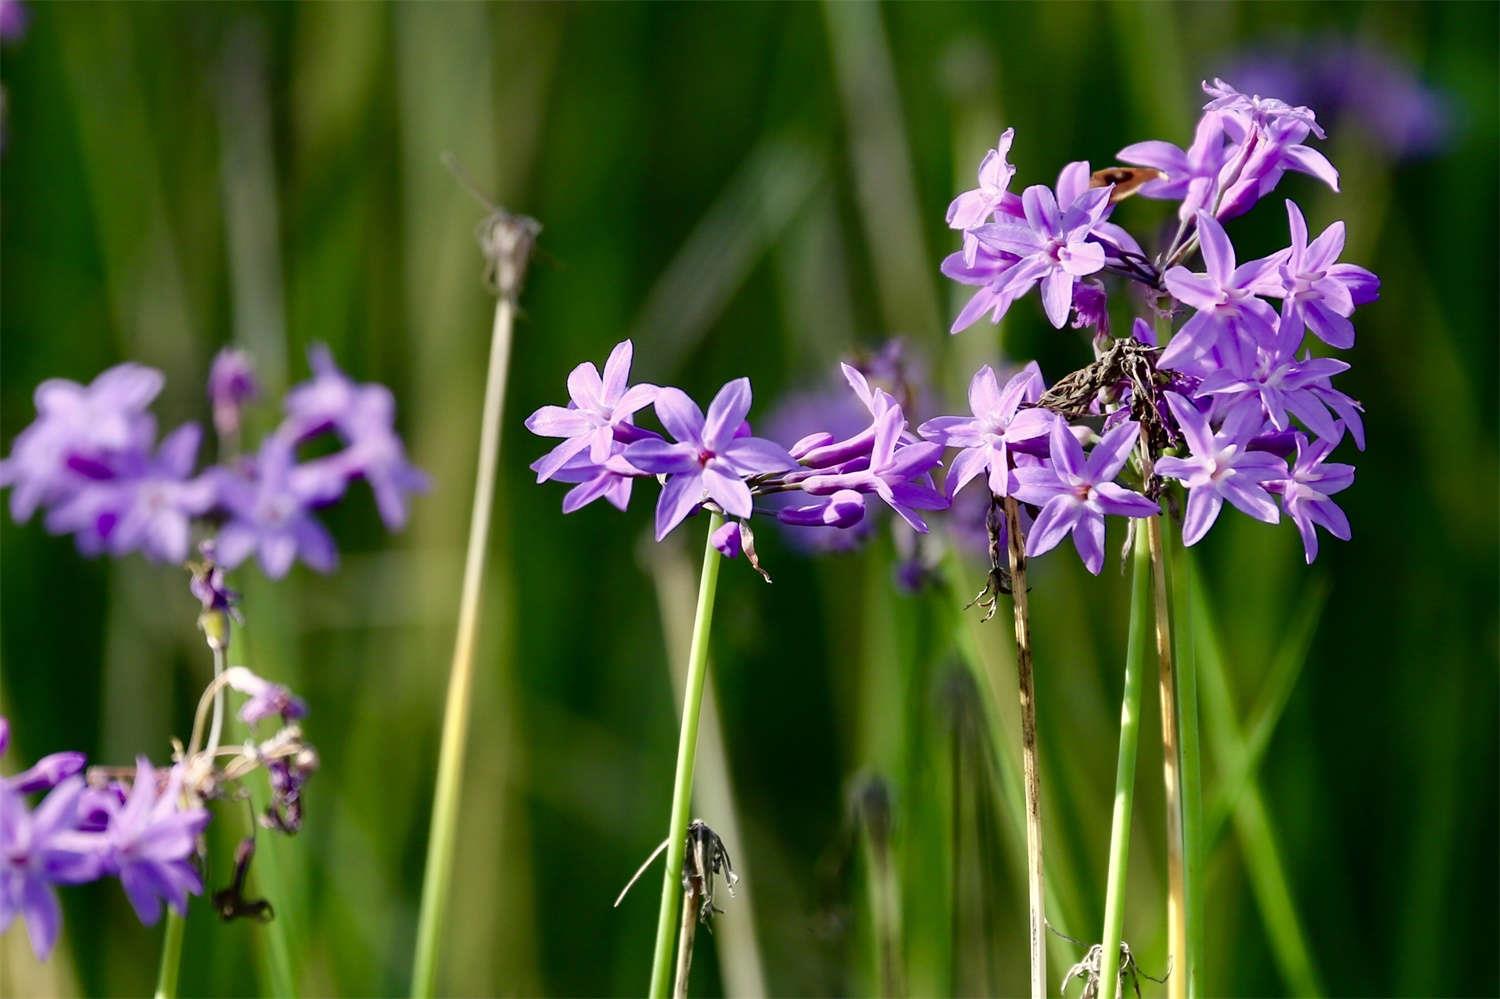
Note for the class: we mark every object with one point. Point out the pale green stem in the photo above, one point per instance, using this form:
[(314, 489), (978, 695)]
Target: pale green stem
[(682, 785), (1136, 652), (443, 835), (1191, 772), (171, 957)]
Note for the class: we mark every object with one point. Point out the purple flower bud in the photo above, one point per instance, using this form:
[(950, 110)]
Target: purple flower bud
[(727, 539), (231, 384), (47, 773), (266, 698)]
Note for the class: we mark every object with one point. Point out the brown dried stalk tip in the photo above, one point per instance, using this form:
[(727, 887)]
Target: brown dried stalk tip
[(1126, 180), (506, 240)]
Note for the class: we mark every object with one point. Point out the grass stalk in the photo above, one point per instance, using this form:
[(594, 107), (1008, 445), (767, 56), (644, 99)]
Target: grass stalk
[(508, 246), (1190, 772), (171, 957), (687, 749), (1036, 898), (1178, 916), (1130, 730), (685, 936)]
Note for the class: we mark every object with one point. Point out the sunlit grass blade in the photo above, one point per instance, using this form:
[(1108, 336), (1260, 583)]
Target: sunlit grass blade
[(1263, 863)]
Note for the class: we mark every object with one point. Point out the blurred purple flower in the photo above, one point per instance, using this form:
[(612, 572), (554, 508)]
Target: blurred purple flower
[(269, 512), (13, 18), (150, 844), (37, 851), (1352, 81), (265, 698), (148, 505), (231, 384), (80, 434), (1075, 493)]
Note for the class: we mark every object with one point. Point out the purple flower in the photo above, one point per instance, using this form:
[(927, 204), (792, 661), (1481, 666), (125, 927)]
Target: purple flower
[(897, 474), (1053, 244), (331, 400), (1268, 136), (843, 510), (151, 842), (38, 850), (974, 208), (13, 18), (1191, 175), (231, 384), (269, 513), (80, 434), (1220, 467), (1279, 384), (727, 539), (46, 773), (997, 423), (148, 506), (710, 458), (208, 583), (379, 457), (1305, 493), (1075, 493), (1317, 292), (600, 410), (611, 480), (266, 698), (1230, 319)]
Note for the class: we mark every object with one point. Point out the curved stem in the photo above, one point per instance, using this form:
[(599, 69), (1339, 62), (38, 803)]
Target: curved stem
[(443, 835), (1130, 729), (216, 727), (682, 785), (1036, 897), (171, 957)]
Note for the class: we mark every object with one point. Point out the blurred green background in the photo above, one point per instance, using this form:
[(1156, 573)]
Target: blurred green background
[(749, 189)]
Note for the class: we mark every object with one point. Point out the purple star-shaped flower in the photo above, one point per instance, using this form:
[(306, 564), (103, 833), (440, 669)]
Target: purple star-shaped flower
[(38, 850), (1279, 384), (611, 480), (149, 507), (896, 472), (331, 400), (600, 410), (1191, 175), (269, 512), (1053, 244), (998, 422), (1305, 493), (1230, 319), (1075, 493), (1317, 291), (1220, 467), (710, 458), (974, 208), (151, 841), (80, 433)]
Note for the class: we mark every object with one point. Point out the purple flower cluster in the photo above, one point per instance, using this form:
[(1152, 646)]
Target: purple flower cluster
[(142, 825), (711, 458), (143, 831), (1231, 405), (92, 462)]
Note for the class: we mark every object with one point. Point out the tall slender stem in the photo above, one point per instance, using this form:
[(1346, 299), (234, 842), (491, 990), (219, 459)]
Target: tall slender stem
[(1177, 913), (171, 957), (1130, 730), (1036, 898), (508, 245), (687, 750), (1191, 773)]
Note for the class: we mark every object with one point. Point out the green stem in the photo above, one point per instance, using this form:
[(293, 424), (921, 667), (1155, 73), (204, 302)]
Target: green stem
[(1136, 652), (687, 751), (443, 836), (171, 957), (1191, 771)]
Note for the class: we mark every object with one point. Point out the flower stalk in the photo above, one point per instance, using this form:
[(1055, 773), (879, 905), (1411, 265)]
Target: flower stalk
[(1178, 915), (1036, 898), (171, 957), (507, 241), (1130, 730), (682, 784)]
